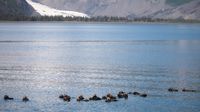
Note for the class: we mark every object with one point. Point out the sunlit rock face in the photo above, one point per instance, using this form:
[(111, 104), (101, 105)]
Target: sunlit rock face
[(167, 9), (48, 11), (131, 8)]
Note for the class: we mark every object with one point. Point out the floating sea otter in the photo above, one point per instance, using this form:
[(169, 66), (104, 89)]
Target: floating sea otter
[(6, 97), (65, 98), (95, 98), (122, 94), (25, 99)]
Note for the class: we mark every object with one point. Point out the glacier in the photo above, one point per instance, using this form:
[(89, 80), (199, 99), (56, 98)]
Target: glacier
[(44, 10)]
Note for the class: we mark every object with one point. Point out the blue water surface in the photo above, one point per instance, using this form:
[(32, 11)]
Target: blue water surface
[(45, 59)]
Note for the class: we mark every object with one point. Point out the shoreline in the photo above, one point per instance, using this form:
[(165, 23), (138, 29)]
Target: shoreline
[(99, 22), (98, 19)]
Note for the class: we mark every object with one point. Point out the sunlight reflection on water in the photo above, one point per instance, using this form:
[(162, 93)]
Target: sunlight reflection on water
[(89, 63)]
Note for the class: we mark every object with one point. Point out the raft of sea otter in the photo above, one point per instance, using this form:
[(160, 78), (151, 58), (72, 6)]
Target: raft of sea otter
[(108, 98)]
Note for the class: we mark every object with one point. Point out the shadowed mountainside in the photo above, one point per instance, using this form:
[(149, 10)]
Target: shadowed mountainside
[(15, 7)]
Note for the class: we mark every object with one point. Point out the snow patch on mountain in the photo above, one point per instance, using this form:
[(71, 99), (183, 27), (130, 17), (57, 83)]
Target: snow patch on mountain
[(44, 10)]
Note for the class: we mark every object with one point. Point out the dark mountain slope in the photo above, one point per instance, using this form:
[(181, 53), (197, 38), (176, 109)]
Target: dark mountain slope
[(15, 8)]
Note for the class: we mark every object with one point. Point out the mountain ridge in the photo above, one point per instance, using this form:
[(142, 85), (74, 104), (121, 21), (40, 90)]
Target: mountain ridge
[(166, 9)]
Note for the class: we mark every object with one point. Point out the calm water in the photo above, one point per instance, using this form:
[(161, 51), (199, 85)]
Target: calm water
[(44, 60)]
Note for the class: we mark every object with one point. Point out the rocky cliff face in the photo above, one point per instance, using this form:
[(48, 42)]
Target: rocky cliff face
[(188, 9), (15, 7), (172, 9)]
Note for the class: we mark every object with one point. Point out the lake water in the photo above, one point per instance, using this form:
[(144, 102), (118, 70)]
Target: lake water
[(43, 60)]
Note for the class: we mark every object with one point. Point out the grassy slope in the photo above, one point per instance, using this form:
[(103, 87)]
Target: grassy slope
[(177, 2)]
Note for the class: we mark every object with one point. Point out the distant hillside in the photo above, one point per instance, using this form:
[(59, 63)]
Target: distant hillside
[(187, 9), (15, 7)]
